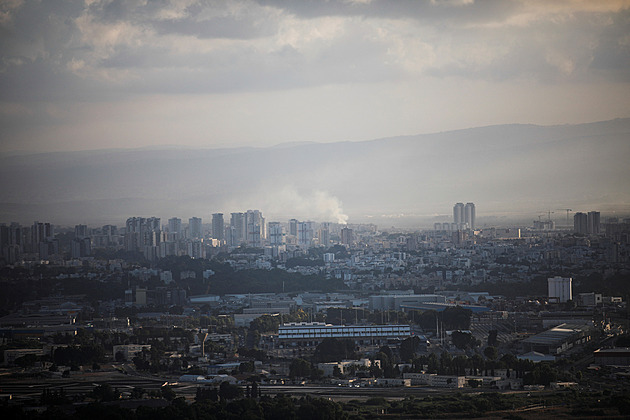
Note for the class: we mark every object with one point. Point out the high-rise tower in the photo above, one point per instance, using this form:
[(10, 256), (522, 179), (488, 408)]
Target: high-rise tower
[(276, 234), (469, 215), (593, 222), (218, 226), (195, 229), (237, 225), (458, 213), (580, 223), (256, 231), (175, 227)]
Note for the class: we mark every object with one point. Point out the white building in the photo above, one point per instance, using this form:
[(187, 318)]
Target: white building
[(305, 234), (396, 302), (315, 332), (434, 380), (469, 215), (560, 289), (129, 351), (393, 382), (458, 213), (277, 235)]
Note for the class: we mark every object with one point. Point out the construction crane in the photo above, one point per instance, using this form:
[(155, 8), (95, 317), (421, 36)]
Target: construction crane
[(567, 210), (549, 213)]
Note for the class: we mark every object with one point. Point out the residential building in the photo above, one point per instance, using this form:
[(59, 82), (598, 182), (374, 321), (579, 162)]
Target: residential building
[(347, 236), (593, 222), (560, 289), (458, 213), (218, 226), (580, 223), (195, 228), (276, 234), (469, 215)]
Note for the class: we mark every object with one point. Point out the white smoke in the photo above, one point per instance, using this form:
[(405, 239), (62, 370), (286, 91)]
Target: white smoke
[(315, 205)]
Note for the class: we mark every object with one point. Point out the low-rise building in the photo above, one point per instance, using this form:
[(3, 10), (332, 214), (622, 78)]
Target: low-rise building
[(612, 357), (448, 381), (12, 354), (129, 351), (391, 382), (312, 333)]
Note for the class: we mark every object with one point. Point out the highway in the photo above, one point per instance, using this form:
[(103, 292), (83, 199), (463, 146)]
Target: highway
[(23, 389)]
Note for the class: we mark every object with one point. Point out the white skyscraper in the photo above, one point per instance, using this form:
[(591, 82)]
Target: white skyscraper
[(458, 213), (560, 289), (256, 231), (469, 215), (305, 234)]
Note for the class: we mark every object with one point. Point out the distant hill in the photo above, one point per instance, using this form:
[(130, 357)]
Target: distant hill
[(511, 169)]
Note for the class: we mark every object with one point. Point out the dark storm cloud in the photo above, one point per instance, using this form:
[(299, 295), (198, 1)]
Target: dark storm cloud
[(70, 49)]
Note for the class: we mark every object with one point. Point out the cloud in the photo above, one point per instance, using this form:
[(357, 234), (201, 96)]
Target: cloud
[(85, 53), (183, 46)]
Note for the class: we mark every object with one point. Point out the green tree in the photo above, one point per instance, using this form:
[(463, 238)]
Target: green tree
[(227, 391), (491, 353), (456, 318), (246, 367), (168, 393), (492, 338), (334, 350), (27, 360), (409, 347), (255, 390), (137, 393), (319, 408), (463, 340), (105, 392), (300, 368)]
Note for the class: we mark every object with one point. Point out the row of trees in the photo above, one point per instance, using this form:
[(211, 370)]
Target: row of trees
[(210, 406), (332, 349)]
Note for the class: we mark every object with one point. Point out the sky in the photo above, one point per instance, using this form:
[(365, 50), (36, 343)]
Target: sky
[(84, 75)]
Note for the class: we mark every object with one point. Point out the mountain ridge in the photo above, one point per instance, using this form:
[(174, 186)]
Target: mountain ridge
[(502, 168)]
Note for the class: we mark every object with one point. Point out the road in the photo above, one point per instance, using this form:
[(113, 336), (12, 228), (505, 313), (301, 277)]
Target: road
[(24, 389)]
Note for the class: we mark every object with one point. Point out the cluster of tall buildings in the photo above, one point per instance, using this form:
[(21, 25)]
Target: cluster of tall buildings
[(464, 215), (248, 229), (587, 223), (37, 239)]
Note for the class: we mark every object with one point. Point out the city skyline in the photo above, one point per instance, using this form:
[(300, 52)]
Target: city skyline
[(360, 111)]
